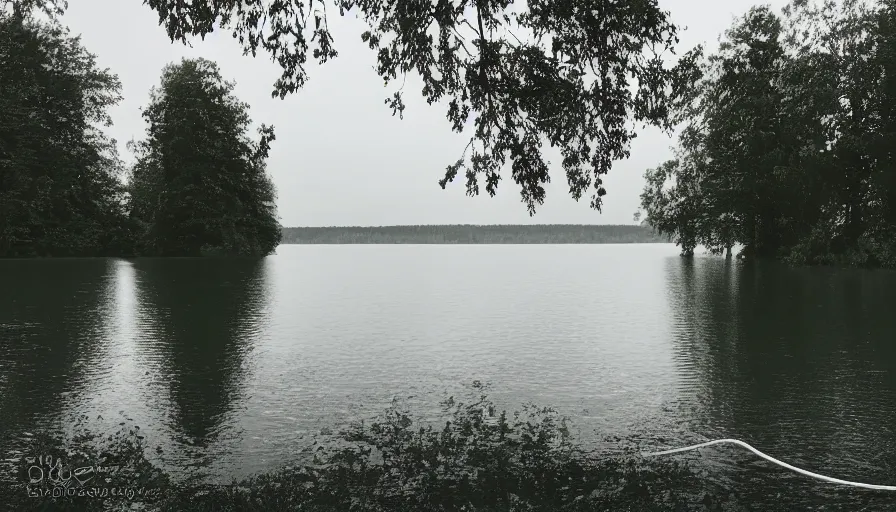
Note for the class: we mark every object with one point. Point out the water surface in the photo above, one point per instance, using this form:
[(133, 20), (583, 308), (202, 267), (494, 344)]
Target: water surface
[(231, 365)]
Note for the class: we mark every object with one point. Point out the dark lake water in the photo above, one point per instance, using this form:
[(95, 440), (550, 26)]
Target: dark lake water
[(232, 365)]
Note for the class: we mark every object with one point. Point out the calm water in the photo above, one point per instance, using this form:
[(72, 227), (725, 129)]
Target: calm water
[(232, 365)]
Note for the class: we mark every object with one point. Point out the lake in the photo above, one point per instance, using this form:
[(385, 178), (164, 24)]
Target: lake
[(232, 365)]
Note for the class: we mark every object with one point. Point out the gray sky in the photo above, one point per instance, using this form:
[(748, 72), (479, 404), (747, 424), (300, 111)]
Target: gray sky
[(340, 158)]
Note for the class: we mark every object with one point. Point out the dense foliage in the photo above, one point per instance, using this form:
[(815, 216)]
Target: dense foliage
[(786, 148), (573, 74), (474, 458), (60, 192), (460, 234), (199, 185), (789, 137), (121, 472), (479, 459)]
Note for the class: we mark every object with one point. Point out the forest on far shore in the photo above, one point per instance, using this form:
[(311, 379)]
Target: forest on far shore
[(473, 234)]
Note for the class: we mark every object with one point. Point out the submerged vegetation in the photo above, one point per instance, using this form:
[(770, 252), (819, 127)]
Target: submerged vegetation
[(468, 234)]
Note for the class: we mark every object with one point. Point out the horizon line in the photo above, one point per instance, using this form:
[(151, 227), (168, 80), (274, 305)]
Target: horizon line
[(458, 225)]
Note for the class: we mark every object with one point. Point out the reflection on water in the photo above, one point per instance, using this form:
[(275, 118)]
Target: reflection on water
[(800, 363), (161, 342), (198, 320), (50, 321), (230, 364)]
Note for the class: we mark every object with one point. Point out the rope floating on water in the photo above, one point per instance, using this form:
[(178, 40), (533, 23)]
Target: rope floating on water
[(776, 461)]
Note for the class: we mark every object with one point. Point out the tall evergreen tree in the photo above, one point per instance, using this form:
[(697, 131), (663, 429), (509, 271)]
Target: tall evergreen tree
[(199, 185)]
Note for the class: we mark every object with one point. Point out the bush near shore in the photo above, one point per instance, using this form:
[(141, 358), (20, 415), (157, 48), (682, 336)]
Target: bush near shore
[(480, 460)]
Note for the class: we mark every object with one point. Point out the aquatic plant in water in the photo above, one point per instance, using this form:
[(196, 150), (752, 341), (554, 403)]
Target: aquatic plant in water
[(480, 459)]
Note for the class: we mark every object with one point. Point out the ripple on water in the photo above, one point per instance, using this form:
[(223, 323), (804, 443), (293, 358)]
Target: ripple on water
[(232, 366)]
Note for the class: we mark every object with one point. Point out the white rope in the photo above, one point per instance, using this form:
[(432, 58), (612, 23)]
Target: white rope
[(776, 461)]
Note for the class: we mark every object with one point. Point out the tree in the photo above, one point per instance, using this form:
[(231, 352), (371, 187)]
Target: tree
[(199, 185), (20, 9), (723, 181), (847, 44), (60, 192), (673, 211), (555, 71), (738, 134), (789, 137)]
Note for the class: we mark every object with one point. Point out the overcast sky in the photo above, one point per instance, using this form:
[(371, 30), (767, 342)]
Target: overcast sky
[(340, 158)]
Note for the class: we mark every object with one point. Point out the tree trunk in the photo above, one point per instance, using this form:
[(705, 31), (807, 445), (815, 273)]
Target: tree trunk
[(17, 11)]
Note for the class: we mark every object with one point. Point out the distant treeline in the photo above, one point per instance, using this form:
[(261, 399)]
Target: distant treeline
[(472, 234)]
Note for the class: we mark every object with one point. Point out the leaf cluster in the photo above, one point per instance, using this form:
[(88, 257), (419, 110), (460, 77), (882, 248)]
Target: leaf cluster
[(60, 188), (575, 75), (787, 148)]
